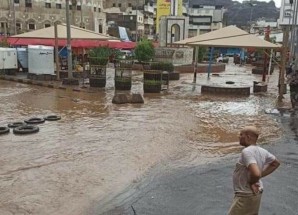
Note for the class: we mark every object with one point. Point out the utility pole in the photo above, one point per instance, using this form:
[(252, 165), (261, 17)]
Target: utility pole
[(283, 62), (293, 29), (73, 11), (57, 52), (68, 32), (137, 6), (82, 23), (12, 13), (265, 67)]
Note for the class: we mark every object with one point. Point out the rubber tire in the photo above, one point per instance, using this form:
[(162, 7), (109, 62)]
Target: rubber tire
[(26, 129), (230, 82), (4, 130), (35, 120), (16, 124), (52, 118)]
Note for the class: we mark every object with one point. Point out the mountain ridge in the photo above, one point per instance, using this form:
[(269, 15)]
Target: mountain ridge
[(240, 13)]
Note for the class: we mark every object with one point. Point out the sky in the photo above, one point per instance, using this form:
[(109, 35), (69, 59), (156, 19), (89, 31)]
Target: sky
[(277, 2)]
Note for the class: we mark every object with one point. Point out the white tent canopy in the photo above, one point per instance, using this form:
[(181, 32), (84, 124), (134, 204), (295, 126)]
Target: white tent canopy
[(76, 33), (230, 36)]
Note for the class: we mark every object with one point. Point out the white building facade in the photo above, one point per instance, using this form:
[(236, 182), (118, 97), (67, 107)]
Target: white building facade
[(203, 19), (286, 16)]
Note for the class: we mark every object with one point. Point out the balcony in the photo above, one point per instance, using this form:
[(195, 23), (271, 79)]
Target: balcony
[(201, 27), (148, 9), (148, 21)]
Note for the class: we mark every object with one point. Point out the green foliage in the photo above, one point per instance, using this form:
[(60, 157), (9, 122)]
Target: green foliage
[(201, 53), (100, 56), (118, 54), (163, 66), (123, 79), (152, 82), (4, 43), (144, 51)]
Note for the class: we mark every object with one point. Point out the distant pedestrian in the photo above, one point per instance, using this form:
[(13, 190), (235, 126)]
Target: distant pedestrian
[(254, 163)]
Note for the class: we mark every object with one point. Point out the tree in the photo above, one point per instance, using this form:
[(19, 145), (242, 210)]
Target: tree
[(4, 43), (144, 50)]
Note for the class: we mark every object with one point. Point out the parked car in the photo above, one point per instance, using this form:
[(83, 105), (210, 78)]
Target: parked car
[(222, 59), (126, 53)]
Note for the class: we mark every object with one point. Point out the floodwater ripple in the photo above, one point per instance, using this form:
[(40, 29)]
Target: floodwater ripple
[(98, 148)]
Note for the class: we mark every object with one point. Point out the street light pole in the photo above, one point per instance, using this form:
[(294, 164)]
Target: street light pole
[(137, 5), (69, 54), (82, 24), (251, 10)]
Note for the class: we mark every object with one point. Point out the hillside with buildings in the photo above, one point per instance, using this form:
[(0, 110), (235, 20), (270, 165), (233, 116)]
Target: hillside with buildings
[(241, 13)]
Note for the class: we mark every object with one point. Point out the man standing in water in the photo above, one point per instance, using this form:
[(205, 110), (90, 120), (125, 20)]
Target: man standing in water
[(254, 163)]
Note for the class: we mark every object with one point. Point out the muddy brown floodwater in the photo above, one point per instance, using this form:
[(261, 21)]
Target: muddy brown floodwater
[(98, 148)]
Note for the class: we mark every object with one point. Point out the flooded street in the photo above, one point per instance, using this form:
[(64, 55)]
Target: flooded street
[(98, 148)]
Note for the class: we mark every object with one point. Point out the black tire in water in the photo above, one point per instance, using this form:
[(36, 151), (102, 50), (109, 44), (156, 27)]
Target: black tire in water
[(16, 124), (4, 130), (35, 120), (26, 129), (52, 118)]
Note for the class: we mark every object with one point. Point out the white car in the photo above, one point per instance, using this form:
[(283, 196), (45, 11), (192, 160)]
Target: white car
[(126, 53), (219, 59)]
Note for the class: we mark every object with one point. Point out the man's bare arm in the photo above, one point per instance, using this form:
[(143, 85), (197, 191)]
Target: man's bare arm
[(270, 168), (255, 173)]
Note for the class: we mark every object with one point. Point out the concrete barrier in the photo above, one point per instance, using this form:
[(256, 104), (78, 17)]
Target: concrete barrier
[(205, 89), (202, 68)]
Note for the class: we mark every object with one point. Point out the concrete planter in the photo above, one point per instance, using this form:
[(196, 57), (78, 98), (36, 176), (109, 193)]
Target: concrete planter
[(123, 78), (150, 88), (97, 76), (123, 83), (152, 81), (97, 82)]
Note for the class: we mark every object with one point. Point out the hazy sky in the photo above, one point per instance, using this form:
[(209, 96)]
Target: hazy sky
[(277, 2)]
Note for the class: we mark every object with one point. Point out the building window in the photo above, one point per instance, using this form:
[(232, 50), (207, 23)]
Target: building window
[(99, 10), (4, 24), (19, 26), (58, 6), (28, 3), (17, 1), (48, 5), (47, 25), (119, 5), (31, 26), (129, 5), (114, 4), (94, 9), (79, 7), (70, 7), (288, 13)]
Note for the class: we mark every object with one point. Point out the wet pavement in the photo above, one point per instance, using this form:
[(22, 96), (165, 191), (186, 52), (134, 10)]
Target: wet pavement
[(207, 189), (93, 159)]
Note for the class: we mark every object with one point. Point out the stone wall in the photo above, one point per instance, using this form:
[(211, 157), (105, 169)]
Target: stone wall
[(177, 56), (245, 91), (202, 68)]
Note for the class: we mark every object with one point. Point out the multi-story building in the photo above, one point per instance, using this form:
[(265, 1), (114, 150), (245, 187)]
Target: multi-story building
[(18, 16), (203, 18), (139, 12), (286, 16), (259, 27)]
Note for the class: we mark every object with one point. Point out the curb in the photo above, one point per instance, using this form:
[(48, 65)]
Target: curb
[(38, 83)]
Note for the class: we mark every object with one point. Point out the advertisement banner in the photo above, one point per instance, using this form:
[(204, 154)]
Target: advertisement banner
[(164, 9)]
